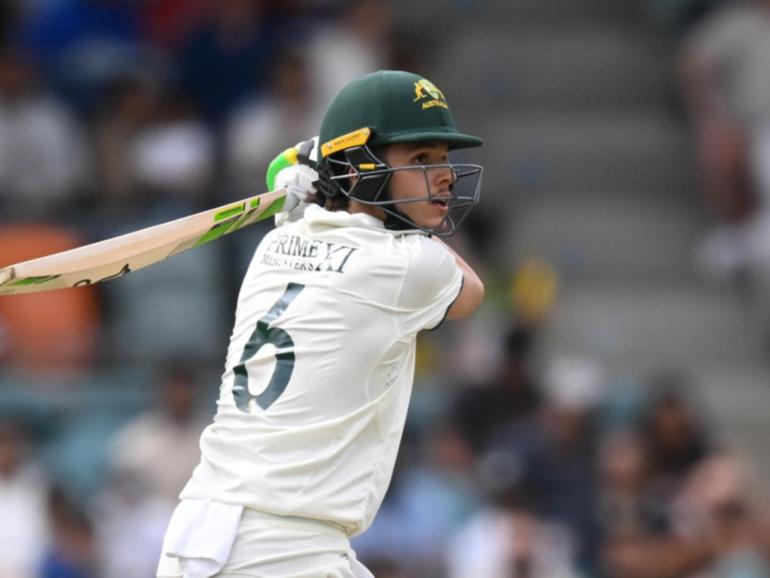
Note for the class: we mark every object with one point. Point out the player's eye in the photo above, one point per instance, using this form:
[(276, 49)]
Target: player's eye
[(420, 159)]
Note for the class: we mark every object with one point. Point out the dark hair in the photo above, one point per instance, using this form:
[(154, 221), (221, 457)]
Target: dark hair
[(338, 202)]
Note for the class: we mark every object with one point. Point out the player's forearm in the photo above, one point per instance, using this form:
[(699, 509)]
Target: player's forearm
[(472, 293), (471, 279)]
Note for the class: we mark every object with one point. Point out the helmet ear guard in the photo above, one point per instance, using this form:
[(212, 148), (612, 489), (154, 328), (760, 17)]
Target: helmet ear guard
[(371, 174), (368, 175)]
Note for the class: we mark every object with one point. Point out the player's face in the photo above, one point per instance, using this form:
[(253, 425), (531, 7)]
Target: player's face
[(433, 186)]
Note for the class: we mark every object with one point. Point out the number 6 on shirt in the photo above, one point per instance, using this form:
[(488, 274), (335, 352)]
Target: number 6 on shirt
[(284, 355)]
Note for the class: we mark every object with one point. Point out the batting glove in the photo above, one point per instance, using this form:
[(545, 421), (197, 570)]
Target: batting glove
[(294, 170)]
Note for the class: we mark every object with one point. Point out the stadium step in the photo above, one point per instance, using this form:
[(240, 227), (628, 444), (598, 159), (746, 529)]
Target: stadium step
[(661, 324), (574, 68), (554, 153), (611, 236)]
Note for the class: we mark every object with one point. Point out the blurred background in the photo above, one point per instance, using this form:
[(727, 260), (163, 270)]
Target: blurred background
[(605, 414)]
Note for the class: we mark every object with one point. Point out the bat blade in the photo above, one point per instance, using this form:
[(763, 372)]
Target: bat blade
[(113, 258)]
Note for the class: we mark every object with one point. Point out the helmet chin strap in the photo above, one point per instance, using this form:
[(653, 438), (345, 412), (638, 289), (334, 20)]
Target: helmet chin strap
[(395, 220)]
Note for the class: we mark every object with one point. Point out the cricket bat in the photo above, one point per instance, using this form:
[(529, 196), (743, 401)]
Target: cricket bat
[(113, 258)]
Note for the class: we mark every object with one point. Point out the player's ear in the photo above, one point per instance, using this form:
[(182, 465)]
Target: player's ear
[(352, 177)]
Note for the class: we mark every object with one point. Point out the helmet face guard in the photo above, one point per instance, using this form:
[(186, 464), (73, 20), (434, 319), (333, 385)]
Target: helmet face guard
[(360, 175)]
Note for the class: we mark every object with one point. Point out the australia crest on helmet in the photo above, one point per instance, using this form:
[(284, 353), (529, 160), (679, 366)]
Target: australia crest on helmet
[(428, 94)]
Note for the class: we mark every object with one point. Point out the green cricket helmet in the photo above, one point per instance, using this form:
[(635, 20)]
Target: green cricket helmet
[(381, 109)]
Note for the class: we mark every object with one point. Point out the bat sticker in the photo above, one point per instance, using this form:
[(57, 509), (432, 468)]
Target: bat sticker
[(85, 282)]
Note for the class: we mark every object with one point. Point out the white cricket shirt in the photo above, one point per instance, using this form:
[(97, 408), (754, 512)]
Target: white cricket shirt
[(320, 367)]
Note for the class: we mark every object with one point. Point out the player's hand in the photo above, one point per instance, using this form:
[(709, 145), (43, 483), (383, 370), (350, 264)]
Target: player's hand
[(294, 171)]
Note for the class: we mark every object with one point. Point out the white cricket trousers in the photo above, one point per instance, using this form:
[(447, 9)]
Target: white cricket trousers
[(207, 539)]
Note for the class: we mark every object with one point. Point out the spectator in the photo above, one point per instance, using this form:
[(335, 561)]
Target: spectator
[(675, 442), (130, 522), (513, 396), (24, 530), (357, 42), (226, 54), (83, 45), (511, 538), (71, 552), (430, 498), (715, 530), (131, 104), (557, 451), (174, 157), (282, 113), (43, 158), (151, 143), (726, 74), (626, 507), (133, 512), (167, 434), (676, 437), (628, 514), (716, 505)]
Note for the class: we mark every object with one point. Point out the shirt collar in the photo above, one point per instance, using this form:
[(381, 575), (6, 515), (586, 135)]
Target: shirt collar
[(315, 215)]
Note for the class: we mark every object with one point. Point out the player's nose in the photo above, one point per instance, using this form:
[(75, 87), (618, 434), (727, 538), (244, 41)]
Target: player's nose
[(443, 176)]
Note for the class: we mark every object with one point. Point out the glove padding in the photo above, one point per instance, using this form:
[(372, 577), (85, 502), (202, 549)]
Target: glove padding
[(294, 171)]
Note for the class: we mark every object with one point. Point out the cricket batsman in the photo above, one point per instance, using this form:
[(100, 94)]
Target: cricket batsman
[(320, 364)]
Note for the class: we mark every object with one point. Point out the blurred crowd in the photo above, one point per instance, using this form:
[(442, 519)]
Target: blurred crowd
[(545, 467), (725, 80), (117, 114)]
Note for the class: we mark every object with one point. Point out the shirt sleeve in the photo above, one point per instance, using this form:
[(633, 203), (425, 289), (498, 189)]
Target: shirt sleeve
[(431, 284)]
